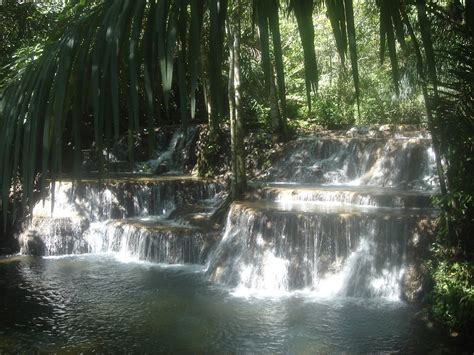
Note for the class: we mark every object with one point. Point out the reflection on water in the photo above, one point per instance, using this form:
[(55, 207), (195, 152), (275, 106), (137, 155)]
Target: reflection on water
[(97, 303)]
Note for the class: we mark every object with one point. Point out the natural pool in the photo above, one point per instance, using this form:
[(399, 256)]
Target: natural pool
[(104, 304)]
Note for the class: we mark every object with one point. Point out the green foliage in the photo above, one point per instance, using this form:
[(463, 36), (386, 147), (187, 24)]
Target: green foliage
[(19, 61), (336, 103), (24, 29), (453, 294), (453, 256), (334, 107), (254, 104)]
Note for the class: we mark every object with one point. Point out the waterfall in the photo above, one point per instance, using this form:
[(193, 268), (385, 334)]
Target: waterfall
[(344, 195), (170, 244), (125, 197), (145, 218), (330, 252), (177, 157), (336, 216), (405, 163)]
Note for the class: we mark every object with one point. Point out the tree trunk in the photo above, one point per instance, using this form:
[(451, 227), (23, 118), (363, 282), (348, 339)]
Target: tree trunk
[(239, 179), (277, 120)]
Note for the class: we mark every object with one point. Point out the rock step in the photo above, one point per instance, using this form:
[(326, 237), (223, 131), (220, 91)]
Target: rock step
[(127, 177), (125, 196), (343, 195), (303, 208)]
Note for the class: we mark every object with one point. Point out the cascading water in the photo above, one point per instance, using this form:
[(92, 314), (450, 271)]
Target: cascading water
[(367, 196), (331, 251), (160, 219), (341, 224), (177, 156), (341, 219), (146, 240), (126, 215), (406, 163)]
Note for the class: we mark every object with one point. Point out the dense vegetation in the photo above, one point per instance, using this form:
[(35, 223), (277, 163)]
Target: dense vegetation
[(118, 67)]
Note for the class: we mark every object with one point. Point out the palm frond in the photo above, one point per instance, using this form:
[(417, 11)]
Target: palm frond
[(303, 11), (274, 24), (337, 17), (427, 41), (351, 34), (389, 22)]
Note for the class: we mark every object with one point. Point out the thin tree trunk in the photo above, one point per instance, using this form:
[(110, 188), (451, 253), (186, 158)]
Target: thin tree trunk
[(273, 100), (239, 179), (207, 102), (278, 121)]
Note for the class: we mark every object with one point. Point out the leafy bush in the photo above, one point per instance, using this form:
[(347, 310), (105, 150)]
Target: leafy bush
[(451, 265), (452, 296)]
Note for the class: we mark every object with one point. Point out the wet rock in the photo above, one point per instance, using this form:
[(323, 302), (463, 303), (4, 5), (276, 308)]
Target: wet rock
[(387, 129), (416, 281), (357, 131), (33, 244), (162, 168)]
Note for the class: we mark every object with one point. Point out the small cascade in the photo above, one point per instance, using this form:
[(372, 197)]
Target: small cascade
[(133, 216), (333, 251), (406, 163), (145, 240), (55, 236), (126, 197), (177, 158)]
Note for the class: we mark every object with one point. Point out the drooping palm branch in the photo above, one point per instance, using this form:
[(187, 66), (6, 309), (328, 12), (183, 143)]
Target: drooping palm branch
[(121, 53)]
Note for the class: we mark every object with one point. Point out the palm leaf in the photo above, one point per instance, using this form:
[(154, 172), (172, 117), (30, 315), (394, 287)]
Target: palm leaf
[(162, 13), (469, 18), (351, 32), (149, 74), (336, 14), (113, 46), (274, 25), (182, 37), (394, 8), (264, 37), (133, 67), (427, 42), (303, 10), (386, 22)]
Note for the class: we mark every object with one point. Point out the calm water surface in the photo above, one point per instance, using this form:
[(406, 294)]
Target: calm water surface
[(99, 303)]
